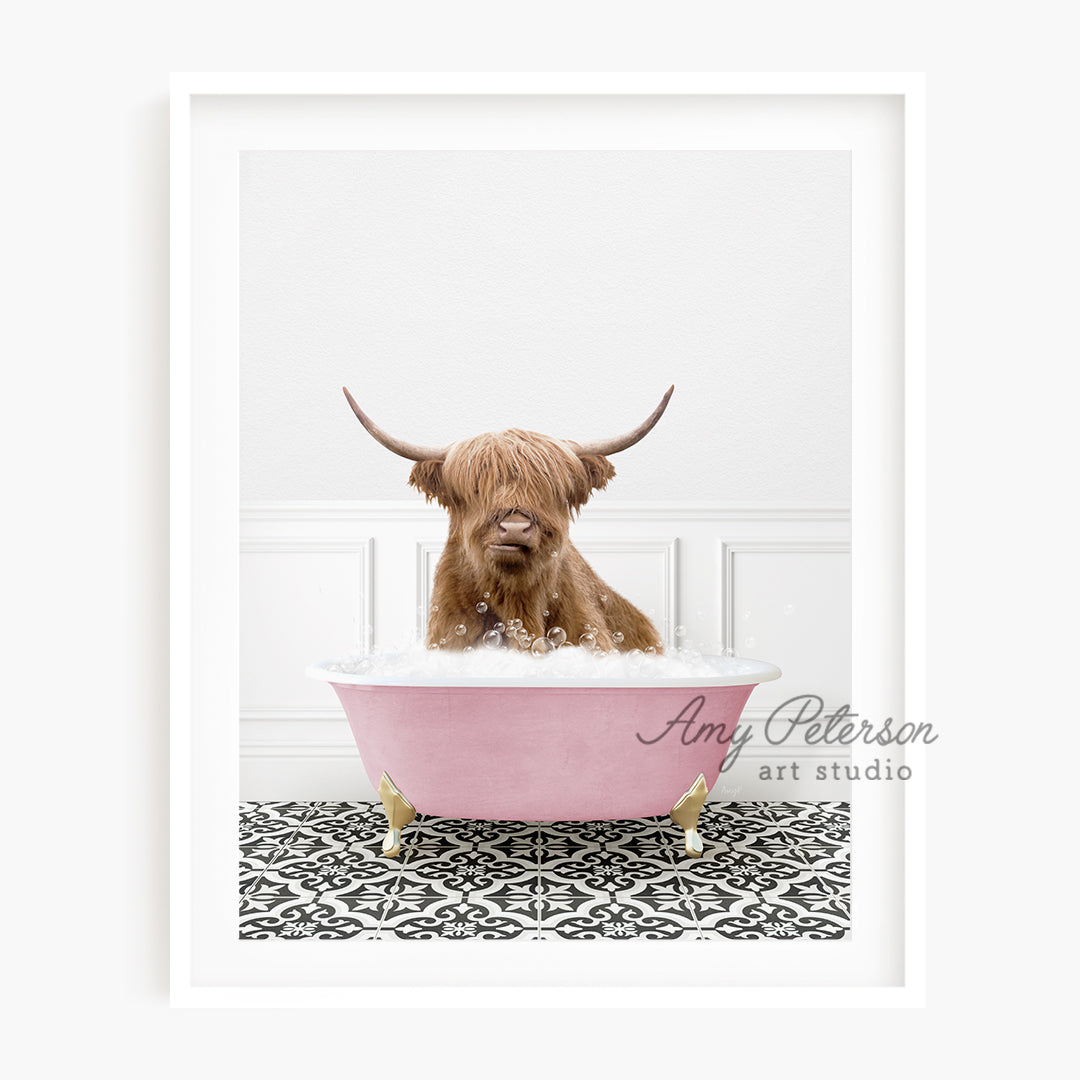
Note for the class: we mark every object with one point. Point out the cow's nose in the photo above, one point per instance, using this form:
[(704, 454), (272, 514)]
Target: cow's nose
[(515, 528)]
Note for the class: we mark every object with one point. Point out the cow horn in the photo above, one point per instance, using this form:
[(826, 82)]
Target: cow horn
[(603, 447), (406, 450)]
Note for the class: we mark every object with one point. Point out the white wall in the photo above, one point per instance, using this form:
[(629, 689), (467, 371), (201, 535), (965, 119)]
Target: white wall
[(457, 292)]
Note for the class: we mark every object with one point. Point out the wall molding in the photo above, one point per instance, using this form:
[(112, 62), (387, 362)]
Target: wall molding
[(308, 714), (428, 553), (364, 550), (668, 550), (809, 545), (362, 547)]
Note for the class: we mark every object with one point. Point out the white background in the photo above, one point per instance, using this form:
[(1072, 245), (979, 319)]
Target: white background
[(86, 447), (560, 291)]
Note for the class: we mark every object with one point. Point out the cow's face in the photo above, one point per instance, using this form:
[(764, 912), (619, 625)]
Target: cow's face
[(511, 494)]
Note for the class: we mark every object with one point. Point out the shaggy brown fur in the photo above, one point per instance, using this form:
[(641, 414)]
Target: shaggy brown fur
[(544, 581)]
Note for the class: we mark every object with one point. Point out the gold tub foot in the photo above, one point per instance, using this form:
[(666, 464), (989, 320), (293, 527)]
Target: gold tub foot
[(399, 812), (685, 814)]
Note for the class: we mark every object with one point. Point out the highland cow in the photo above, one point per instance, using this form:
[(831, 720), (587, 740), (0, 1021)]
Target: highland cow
[(508, 559)]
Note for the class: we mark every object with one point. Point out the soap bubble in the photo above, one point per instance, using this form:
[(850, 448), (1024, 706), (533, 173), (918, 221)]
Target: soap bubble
[(728, 653), (500, 628), (680, 631), (546, 614), (587, 641), (557, 636), (433, 645), (493, 639), (603, 599), (554, 596), (554, 554), (541, 646), (460, 629), (524, 639), (468, 648), (650, 651), (789, 609), (434, 607), (617, 637), (487, 596), (481, 607)]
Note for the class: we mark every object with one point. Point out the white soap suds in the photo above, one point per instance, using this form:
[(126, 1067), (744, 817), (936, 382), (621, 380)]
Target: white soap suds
[(564, 663)]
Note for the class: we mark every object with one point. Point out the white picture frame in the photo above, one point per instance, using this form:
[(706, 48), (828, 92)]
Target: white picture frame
[(214, 116)]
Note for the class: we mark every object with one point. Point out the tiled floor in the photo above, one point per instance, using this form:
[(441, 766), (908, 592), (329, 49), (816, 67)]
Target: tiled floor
[(770, 870)]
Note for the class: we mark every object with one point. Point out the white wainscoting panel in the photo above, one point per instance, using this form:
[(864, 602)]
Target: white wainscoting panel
[(326, 579), (299, 596), (788, 601)]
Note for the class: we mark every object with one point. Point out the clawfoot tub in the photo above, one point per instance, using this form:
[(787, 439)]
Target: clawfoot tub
[(545, 748)]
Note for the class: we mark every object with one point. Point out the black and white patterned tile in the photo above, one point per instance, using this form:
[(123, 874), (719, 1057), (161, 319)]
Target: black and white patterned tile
[(323, 878), (421, 910), (304, 917), (769, 870), (616, 915), (772, 870), (466, 879), (611, 879), (266, 830)]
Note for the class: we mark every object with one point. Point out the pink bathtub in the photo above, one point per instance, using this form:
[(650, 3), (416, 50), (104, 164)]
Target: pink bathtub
[(544, 750)]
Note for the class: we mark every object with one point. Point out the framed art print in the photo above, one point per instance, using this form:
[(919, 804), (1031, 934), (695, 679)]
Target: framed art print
[(548, 254)]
